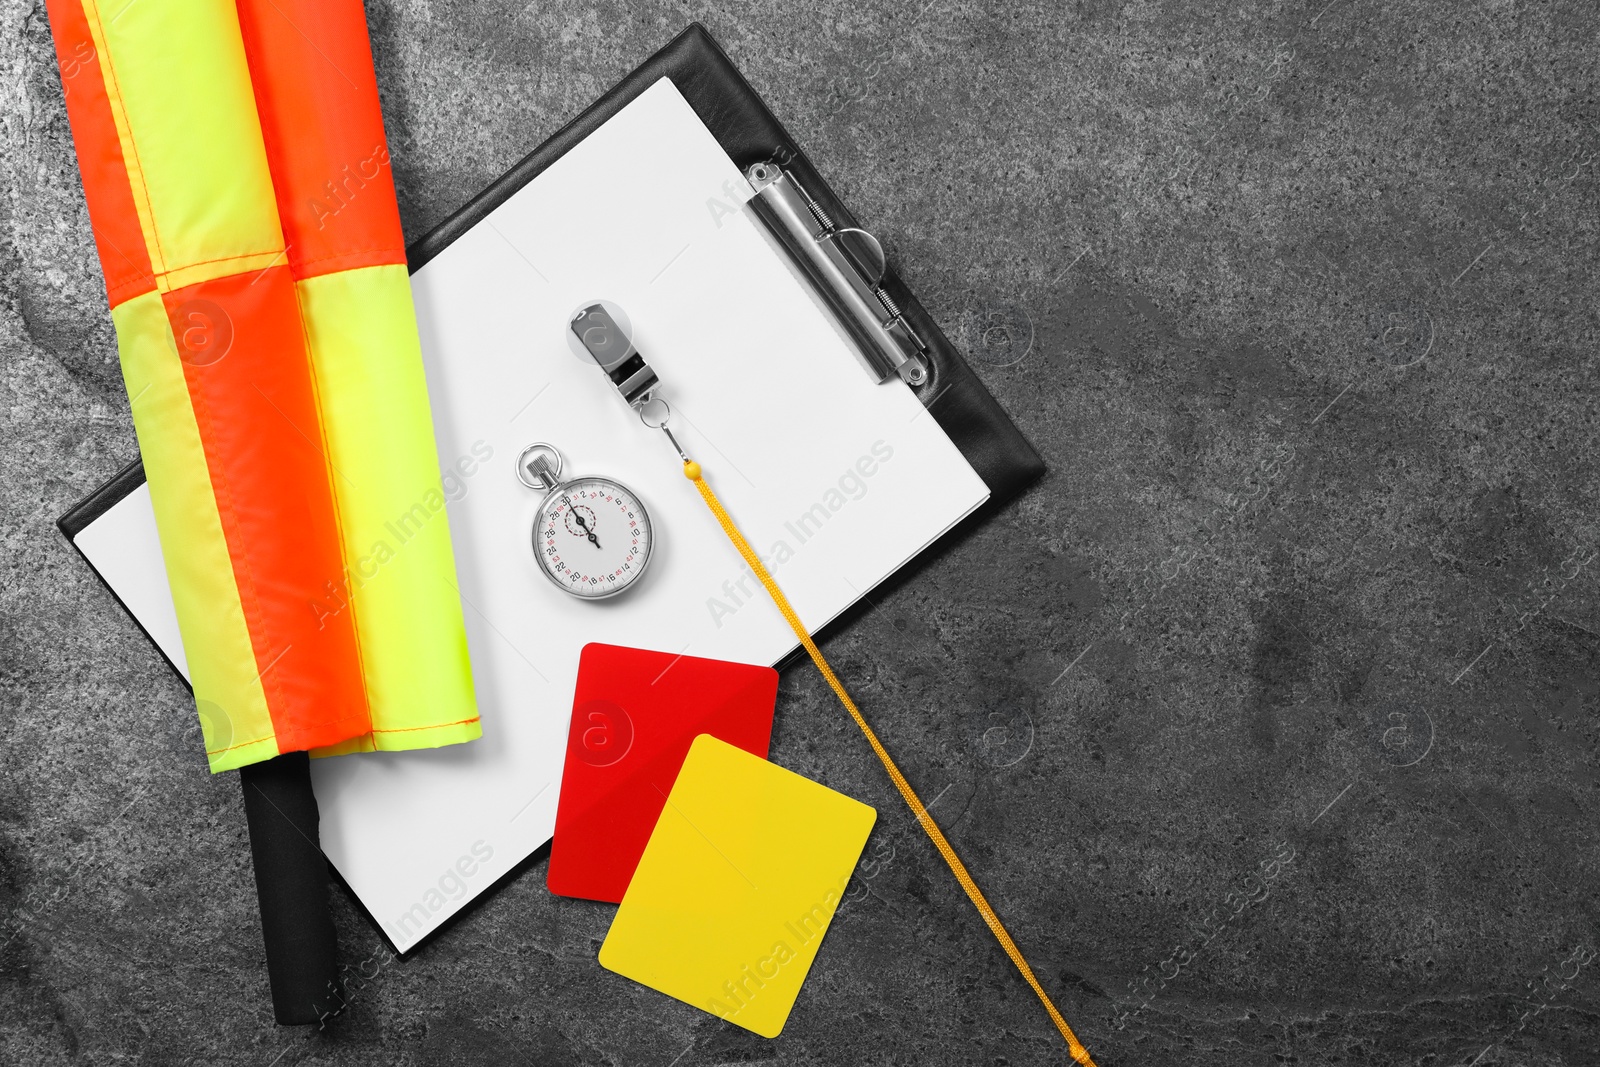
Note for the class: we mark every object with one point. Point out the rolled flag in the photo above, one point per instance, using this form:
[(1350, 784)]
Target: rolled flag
[(237, 175)]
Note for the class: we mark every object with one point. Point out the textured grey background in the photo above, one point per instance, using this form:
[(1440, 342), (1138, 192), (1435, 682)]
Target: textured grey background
[(1267, 718)]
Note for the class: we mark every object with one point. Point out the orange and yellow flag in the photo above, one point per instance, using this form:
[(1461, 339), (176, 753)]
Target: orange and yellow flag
[(237, 176)]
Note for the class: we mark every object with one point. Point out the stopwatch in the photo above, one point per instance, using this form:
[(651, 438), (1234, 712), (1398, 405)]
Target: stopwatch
[(592, 536)]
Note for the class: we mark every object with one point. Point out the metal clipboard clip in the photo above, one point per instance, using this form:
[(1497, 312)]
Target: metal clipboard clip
[(845, 267)]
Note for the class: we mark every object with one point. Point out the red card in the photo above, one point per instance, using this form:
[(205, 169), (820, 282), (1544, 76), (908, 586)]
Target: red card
[(634, 715)]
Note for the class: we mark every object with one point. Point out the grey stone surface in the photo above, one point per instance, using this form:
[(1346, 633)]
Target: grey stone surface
[(1267, 719)]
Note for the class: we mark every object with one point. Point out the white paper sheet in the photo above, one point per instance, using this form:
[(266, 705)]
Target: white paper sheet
[(839, 481), (125, 547)]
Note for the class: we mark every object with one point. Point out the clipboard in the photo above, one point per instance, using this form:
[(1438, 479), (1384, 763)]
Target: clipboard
[(748, 133)]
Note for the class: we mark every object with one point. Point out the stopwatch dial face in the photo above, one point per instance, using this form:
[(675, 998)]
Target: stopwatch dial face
[(592, 537)]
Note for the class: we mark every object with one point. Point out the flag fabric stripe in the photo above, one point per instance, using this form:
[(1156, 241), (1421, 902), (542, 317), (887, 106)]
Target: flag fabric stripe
[(317, 95), (401, 577), (177, 70), (257, 412), (216, 638), (112, 214), (119, 120)]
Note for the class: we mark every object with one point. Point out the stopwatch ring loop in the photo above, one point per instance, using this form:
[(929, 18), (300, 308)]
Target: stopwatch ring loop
[(522, 463)]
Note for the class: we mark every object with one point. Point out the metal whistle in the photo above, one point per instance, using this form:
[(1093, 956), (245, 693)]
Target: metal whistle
[(609, 345)]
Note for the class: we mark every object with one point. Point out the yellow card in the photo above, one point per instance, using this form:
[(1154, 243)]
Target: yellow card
[(740, 879)]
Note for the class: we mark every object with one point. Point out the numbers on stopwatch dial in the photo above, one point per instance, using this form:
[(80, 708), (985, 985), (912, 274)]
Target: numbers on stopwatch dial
[(592, 537)]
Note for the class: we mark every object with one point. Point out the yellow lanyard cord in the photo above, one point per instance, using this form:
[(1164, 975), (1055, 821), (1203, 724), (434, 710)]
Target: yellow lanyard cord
[(691, 470)]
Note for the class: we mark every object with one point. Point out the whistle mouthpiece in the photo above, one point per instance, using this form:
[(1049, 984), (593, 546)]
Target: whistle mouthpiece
[(603, 339)]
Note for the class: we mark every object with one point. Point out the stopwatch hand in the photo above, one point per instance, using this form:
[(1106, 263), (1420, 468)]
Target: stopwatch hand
[(584, 526)]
